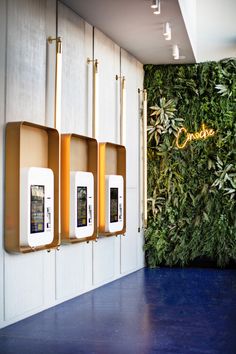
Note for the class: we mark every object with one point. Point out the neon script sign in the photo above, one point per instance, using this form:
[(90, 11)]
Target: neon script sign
[(183, 137)]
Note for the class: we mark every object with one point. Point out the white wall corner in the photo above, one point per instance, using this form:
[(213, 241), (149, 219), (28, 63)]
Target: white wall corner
[(189, 12)]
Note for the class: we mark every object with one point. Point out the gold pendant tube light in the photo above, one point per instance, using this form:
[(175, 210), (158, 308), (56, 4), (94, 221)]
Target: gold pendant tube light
[(145, 158), (122, 109), (58, 76), (123, 112), (57, 104), (95, 123)]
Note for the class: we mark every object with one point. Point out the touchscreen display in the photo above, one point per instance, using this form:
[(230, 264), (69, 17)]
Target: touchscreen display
[(114, 205), (81, 206), (36, 209)]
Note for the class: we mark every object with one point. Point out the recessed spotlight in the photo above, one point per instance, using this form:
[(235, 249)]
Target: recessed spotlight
[(154, 4), (175, 52), (167, 31), (157, 8)]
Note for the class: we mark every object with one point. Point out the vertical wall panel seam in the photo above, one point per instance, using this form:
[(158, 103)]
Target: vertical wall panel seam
[(138, 189), (55, 258), (5, 120), (46, 70), (139, 159), (120, 142), (93, 242), (57, 1)]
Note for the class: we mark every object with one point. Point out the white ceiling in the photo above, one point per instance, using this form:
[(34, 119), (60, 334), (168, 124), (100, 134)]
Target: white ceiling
[(216, 29), (203, 29)]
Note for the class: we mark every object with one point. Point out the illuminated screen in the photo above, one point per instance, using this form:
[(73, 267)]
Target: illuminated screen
[(81, 206), (114, 205), (36, 209)]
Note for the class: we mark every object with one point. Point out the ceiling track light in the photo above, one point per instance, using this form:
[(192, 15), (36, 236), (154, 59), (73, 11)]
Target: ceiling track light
[(156, 5), (167, 31), (175, 52)]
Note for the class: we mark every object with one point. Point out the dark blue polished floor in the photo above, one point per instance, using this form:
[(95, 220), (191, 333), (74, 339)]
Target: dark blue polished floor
[(163, 311)]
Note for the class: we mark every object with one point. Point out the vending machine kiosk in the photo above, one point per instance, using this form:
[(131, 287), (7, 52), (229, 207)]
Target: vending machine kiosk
[(81, 204), (31, 188), (114, 203), (79, 179), (36, 206), (112, 189)]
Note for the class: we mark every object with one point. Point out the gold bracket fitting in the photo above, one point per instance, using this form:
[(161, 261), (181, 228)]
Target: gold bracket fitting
[(120, 77), (144, 91), (95, 62), (58, 41)]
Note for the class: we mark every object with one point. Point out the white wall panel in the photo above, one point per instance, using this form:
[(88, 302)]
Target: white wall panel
[(32, 282), (108, 55), (2, 124), (26, 60), (132, 244), (30, 276), (104, 256), (88, 269), (130, 241), (23, 283), (50, 28), (49, 290), (107, 251), (74, 262), (129, 70), (69, 271), (140, 251), (76, 109)]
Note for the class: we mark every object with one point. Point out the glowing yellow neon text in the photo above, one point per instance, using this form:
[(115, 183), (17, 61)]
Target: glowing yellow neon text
[(204, 133)]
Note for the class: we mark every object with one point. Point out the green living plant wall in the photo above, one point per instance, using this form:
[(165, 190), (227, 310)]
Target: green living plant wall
[(191, 191)]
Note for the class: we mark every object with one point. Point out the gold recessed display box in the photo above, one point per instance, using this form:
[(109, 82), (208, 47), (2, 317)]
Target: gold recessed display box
[(112, 161), (78, 153), (28, 145)]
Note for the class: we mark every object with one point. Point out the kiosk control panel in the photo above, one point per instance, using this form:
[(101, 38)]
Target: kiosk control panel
[(81, 204), (114, 203), (36, 206)]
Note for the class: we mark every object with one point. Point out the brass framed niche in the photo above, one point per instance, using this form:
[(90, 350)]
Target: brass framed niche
[(112, 161), (78, 153), (28, 145)]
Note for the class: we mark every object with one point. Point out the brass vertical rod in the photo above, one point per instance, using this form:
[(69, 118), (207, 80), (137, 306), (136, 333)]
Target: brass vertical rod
[(95, 98), (123, 112), (144, 158), (57, 106), (122, 109), (57, 114), (58, 72), (140, 169)]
